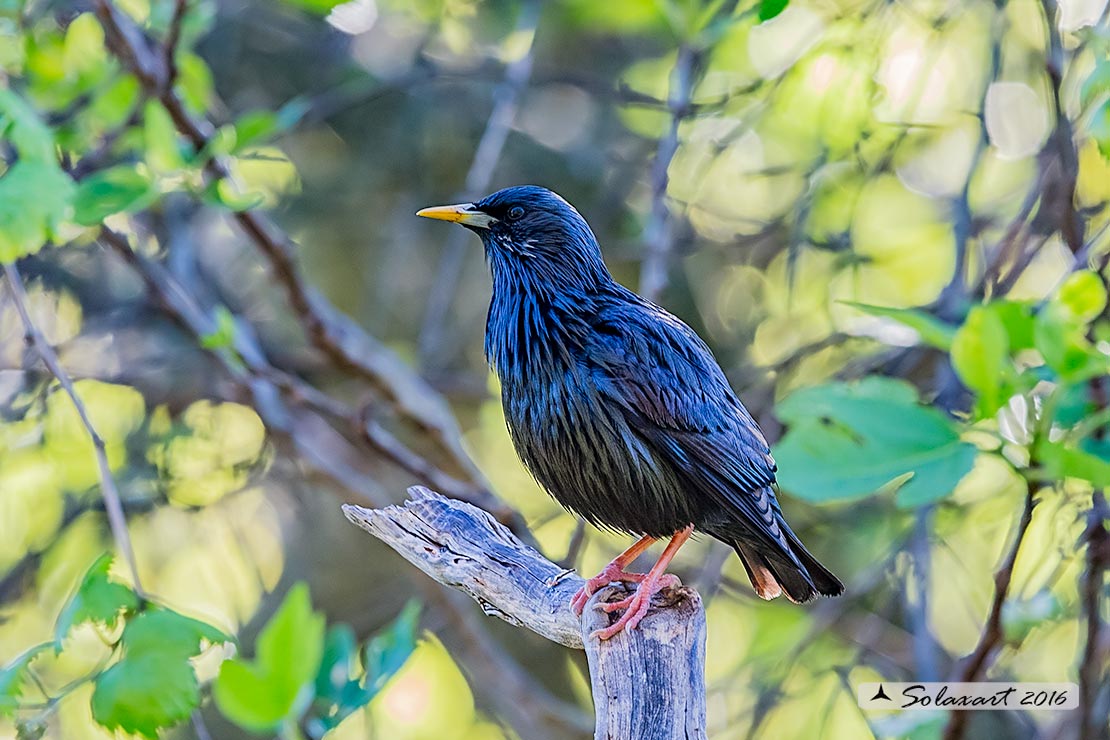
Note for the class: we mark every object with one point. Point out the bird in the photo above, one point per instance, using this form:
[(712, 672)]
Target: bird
[(620, 410)]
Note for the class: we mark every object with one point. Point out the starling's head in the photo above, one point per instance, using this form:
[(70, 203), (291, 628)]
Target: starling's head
[(530, 233)]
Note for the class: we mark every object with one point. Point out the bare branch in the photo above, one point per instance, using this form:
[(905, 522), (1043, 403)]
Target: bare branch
[(924, 647), (1094, 683), (659, 232), (1053, 191), (464, 547), (1062, 138), (113, 505), (128, 42), (972, 668), (173, 38), (1094, 694)]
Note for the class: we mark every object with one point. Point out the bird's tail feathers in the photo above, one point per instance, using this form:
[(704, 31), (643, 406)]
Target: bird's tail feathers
[(800, 578)]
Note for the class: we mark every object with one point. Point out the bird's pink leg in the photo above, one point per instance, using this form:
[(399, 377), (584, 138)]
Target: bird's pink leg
[(614, 571), (636, 605)]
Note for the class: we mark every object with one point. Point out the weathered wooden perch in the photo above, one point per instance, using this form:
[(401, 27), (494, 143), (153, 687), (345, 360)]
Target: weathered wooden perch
[(648, 683)]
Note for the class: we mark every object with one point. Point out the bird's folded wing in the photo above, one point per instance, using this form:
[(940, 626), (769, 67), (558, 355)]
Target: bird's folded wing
[(672, 392)]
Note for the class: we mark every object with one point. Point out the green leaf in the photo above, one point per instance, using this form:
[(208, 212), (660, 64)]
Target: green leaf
[(318, 7), (224, 333), (162, 630), (389, 650), (163, 153), (1097, 83), (22, 126), (195, 81), (114, 103), (1022, 616), (114, 190), (145, 693), (221, 142), (254, 126), (1061, 339), (981, 359), (768, 9), (12, 677), (154, 685), (97, 599), (277, 686), (1017, 318), (34, 192), (260, 125), (225, 193), (1063, 461), (846, 441), (932, 330), (1083, 295), (337, 694), (1099, 128), (335, 664), (84, 54), (34, 200)]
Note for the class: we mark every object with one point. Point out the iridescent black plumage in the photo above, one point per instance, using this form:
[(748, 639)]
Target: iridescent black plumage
[(617, 407)]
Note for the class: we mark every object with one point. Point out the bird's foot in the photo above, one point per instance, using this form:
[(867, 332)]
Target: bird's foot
[(610, 573), (636, 606)]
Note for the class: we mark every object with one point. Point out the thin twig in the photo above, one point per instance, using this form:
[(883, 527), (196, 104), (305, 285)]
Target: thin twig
[(1094, 690), (1067, 219), (1054, 188), (955, 294), (659, 232), (1093, 699), (924, 648), (113, 505), (199, 726), (574, 546), (971, 669), (173, 39), (1009, 242)]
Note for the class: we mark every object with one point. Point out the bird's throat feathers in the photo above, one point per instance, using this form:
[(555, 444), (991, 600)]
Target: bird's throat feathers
[(542, 299)]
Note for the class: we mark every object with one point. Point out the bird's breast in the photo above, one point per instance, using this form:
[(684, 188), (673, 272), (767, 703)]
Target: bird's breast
[(581, 449)]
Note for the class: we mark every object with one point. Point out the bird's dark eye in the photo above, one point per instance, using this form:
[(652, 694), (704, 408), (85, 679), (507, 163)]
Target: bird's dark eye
[(516, 213)]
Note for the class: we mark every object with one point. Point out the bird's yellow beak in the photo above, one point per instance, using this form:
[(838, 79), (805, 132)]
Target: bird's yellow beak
[(460, 213)]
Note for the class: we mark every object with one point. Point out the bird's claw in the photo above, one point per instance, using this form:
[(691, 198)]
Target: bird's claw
[(613, 606), (636, 606), (608, 575)]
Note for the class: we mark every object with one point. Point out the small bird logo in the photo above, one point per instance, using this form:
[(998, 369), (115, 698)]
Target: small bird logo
[(620, 410)]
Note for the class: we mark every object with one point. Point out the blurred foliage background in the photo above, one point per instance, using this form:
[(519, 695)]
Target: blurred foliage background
[(888, 219)]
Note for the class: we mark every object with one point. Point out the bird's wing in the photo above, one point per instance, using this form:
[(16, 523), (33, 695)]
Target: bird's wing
[(672, 392)]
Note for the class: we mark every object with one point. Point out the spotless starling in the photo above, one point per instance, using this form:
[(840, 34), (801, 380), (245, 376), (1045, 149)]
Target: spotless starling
[(620, 410)]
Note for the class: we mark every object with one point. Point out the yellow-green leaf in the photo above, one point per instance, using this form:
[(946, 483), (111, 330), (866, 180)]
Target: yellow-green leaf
[(1083, 294), (981, 358)]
